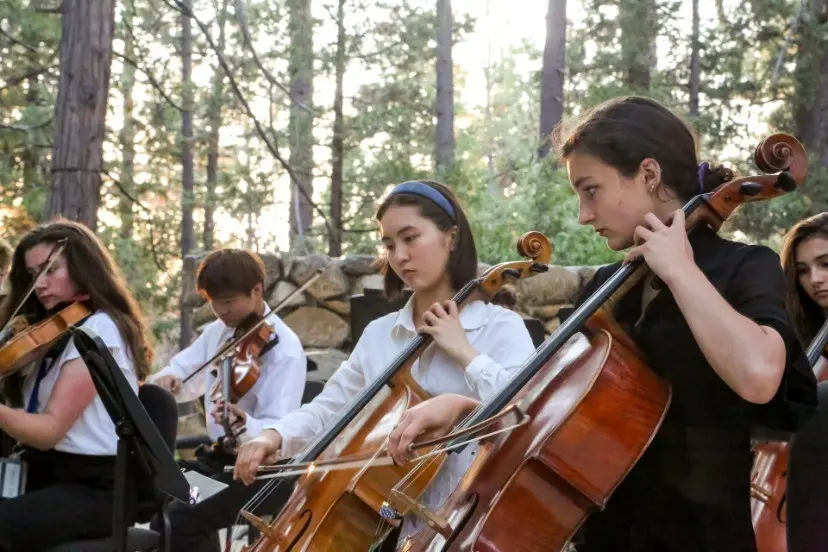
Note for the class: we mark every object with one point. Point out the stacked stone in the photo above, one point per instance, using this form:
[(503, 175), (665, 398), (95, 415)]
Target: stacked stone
[(320, 315)]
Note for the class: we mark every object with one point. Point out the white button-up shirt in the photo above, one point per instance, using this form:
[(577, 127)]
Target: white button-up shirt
[(93, 433), (279, 387), (498, 334)]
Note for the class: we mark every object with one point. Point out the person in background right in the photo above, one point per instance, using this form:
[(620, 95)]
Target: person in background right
[(805, 261)]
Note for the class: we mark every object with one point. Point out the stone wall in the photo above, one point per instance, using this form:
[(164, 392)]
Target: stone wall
[(320, 315)]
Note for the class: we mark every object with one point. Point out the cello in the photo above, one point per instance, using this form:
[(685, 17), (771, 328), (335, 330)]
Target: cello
[(340, 510), (768, 478), (587, 407)]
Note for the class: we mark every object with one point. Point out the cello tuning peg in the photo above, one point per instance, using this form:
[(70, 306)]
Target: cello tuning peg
[(785, 182), (511, 273), (539, 267), (751, 188)]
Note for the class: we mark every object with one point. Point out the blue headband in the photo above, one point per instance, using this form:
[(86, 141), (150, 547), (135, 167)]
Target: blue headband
[(426, 191)]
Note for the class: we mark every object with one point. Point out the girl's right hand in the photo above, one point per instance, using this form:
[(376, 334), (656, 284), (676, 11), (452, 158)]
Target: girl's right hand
[(428, 420), (264, 449)]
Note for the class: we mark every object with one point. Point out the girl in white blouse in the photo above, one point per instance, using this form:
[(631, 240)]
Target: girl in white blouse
[(68, 439), (429, 248)]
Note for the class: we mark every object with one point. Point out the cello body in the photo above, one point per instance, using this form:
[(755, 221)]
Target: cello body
[(349, 519), (591, 412), (769, 488), (339, 510)]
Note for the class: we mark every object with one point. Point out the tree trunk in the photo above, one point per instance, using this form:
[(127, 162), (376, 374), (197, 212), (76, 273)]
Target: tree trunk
[(33, 177), (216, 96), (639, 30), (187, 177), (444, 151), (815, 131), (492, 186), (300, 69), (695, 63), (127, 136), (337, 143), (80, 110), (812, 90), (552, 78)]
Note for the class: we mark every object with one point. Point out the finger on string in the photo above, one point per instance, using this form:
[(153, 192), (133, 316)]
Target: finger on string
[(451, 308), (633, 254), (438, 310), (677, 219), (654, 222), (641, 235), (429, 318)]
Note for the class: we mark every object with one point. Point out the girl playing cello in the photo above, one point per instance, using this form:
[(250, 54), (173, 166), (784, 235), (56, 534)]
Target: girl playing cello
[(430, 249), (711, 320), (805, 261), (68, 437)]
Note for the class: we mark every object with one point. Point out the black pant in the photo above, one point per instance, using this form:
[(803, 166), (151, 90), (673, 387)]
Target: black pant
[(808, 482), (68, 497), (194, 528)]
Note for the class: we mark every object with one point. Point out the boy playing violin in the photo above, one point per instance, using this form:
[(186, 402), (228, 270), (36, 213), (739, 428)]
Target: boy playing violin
[(233, 282)]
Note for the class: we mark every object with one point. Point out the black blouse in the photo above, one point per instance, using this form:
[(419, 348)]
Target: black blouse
[(691, 489)]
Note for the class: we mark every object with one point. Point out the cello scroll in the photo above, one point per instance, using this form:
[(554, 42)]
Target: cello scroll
[(532, 245)]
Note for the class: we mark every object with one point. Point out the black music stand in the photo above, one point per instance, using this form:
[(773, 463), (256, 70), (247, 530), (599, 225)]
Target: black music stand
[(138, 438)]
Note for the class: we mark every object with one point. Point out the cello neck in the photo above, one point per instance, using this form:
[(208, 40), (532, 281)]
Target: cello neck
[(817, 346)]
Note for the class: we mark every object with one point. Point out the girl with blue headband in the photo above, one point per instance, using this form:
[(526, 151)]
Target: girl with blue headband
[(428, 248), (711, 319)]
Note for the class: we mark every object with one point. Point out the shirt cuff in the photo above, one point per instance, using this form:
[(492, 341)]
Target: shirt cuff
[(291, 444), (253, 426), (478, 370)]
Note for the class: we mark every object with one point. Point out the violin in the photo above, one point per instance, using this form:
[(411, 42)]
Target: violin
[(239, 370), (27, 344), (769, 476), (341, 509), (238, 360), (585, 405), (22, 343), (245, 369)]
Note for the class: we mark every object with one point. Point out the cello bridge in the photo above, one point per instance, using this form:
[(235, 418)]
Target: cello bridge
[(434, 520)]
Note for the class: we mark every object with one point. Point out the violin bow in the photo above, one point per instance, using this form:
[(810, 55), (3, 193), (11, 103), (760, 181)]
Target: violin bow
[(60, 245), (229, 346), (363, 461)]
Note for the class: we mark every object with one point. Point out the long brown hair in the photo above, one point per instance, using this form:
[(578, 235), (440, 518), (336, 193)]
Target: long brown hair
[(94, 273), (806, 314)]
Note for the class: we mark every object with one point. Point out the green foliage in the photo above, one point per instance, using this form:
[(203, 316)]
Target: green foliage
[(389, 122)]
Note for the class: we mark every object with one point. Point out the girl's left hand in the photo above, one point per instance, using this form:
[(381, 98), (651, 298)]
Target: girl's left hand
[(238, 417), (665, 249), (442, 323)]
